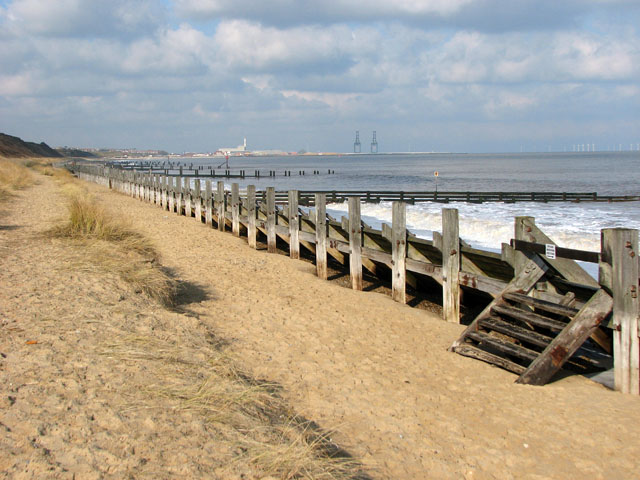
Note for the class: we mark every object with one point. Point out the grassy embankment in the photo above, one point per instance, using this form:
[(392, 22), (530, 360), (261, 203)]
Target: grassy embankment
[(249, 415)]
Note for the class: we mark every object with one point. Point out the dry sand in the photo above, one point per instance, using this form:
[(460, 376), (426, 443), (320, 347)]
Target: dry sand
[(376, 371)]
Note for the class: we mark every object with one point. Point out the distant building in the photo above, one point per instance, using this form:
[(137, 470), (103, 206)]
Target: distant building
[(240, 149)]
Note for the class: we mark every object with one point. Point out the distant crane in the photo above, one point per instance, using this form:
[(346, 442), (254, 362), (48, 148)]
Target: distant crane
[(357, 147), (374, 143)]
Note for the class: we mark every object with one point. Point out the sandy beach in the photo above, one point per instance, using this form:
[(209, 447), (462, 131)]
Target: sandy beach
[(375, 372)]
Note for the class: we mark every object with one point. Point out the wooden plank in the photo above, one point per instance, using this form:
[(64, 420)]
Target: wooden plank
[(321, 235), (424, 268), (478, 354), (208, 203), (561, 252), (399, 251), (355, 243), (221, 206), (271, 220), (526, 316), (294, 225), (523, 283), (542, 304), (252, 232), (197, 197), (235, 209), (569, 269), (450, 266), (508, 348), (620, 250), (482, 283), (514, 331), (568, 341)]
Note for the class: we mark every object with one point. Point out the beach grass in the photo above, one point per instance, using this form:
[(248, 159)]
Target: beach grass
[(114, 246), (248, 414), (14, 175)]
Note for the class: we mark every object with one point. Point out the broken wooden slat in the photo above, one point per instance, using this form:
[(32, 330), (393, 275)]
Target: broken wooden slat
[(542, 304), (474, 352), (524, 335), (529, 317), (569, 340), (503, 346), (523, 283)]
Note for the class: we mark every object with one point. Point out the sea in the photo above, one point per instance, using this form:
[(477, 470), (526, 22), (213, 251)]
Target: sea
[(486, 225)]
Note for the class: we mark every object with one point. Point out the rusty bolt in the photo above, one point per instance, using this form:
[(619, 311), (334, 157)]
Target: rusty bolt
[(632, 254), (528, 229), (628, 244), (453, 252)]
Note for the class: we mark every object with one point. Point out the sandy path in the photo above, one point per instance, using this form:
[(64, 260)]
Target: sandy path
[(69, 407), (380, 372)]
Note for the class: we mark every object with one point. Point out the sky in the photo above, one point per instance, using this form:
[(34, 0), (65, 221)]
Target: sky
[(426, 75)]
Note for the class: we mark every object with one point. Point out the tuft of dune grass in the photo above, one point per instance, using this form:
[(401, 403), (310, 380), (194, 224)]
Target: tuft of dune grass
[(248, 414), (14, 175), (115, 247)]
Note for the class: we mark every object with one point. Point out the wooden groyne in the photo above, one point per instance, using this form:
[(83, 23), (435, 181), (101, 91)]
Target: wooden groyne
[(412, 197), (541, 305), (306, 197), (179, 169)]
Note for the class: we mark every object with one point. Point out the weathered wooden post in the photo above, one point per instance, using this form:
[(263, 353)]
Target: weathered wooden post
[(235, 209), (450, 265), (251, 216), (619, 275), (355, 243), (321, 235), (294, 225), (163, 192), (197, 196), (221, 206), (399, 251), (522, 231), (271, 220), (208, 205), (186, 192), (178, 194), (172, 193), (155, 197)]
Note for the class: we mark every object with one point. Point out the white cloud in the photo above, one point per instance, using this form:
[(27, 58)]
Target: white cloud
[(82, 17)]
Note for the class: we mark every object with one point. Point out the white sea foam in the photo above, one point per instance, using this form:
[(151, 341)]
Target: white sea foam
[(489, 225)]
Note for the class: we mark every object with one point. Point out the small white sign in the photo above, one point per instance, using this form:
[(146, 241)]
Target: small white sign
[(550, 251)]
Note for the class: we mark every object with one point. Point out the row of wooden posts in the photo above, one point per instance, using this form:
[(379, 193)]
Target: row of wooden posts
[(350, 241)]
